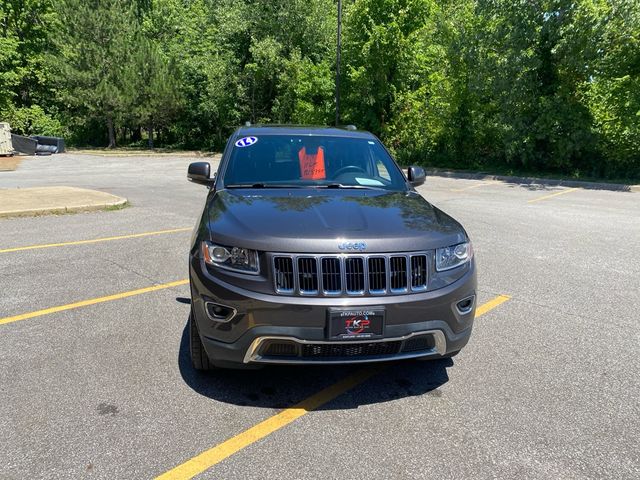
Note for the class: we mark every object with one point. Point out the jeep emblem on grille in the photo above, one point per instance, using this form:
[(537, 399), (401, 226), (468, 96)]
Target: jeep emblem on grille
[(359, 246)]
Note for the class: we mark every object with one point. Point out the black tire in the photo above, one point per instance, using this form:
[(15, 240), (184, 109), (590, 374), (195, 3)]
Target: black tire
[(199, 358)]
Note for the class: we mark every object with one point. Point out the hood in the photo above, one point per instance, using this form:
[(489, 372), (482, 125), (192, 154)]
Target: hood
[(317, 221)]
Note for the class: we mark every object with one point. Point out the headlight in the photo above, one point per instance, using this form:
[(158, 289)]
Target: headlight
[(231, 258), (454, 256)]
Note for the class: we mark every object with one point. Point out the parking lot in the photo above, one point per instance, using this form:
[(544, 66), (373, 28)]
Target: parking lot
[(96, 380)]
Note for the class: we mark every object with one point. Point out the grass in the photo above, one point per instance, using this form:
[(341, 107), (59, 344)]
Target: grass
[(113, 208), (63, 211), (139, 152), (514, 172)]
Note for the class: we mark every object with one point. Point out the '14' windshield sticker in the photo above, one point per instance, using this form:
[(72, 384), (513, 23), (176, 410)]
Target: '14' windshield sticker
[(246, 142)]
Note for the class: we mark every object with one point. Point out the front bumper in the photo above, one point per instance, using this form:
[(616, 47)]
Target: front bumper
[(263, 328)]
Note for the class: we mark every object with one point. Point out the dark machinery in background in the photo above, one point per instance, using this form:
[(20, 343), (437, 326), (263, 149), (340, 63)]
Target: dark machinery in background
[(48, 145), (11, 143), (37, 145)]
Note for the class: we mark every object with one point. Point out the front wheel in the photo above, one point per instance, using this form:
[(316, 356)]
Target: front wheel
[(199, 358)]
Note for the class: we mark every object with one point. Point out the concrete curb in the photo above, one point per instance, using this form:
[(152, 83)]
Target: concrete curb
[(74, 200), (117, 154), (616, 187)]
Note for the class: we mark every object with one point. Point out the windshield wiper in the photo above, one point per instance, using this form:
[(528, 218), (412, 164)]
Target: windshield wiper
[(280, 185), (354, 187), (261, 185)]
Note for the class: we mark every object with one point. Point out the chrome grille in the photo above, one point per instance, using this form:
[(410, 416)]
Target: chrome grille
[(351, 275), (331, 275), (419, 272), (354, 274), (308, 275), (283, 274), (398, 275), (377, 275)]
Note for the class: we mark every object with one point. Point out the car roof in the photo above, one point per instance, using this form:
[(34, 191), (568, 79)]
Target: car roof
[(302, 130)]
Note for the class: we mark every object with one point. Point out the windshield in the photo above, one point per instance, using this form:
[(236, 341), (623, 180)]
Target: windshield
[(311, 161)]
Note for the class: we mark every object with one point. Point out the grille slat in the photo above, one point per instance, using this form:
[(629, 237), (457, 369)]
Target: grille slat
[(283, 267), (308, 274), (419, 272), (354, 271), (376, 274), (398, 267), (331, 276)]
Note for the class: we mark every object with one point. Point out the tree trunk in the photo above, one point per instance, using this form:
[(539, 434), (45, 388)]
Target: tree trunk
[(136, 134), (112, 133), (150, 132)]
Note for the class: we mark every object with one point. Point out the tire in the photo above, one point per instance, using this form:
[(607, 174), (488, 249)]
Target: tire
[(199, 358)]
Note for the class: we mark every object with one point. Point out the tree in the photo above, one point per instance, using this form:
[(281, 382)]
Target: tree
[(534, 85), (611, 90), (305, 92), (26, 79), (155, 94), (95, 41)]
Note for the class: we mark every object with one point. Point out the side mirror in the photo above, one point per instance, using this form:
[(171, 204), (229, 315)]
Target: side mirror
[(200, 172), (416, 176)]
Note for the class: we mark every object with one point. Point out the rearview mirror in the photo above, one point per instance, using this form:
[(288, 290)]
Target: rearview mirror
[(416, 176), (200, 172)]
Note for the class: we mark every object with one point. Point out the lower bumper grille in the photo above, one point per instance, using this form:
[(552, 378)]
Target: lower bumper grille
[(283, 349), (350, 350), (416, 344)]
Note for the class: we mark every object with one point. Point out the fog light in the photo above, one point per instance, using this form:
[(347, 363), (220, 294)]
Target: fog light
[(466, 305), (219, 313)]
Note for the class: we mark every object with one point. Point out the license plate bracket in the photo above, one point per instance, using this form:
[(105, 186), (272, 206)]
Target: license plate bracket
[(359, 323)]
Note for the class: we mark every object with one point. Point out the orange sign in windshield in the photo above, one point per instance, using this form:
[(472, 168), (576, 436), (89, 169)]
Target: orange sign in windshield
[(312, 165)]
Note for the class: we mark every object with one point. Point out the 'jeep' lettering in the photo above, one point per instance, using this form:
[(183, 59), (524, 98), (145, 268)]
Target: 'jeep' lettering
[(358, 246)]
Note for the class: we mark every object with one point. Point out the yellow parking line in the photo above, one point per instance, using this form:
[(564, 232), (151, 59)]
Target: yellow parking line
[(94, 240), (568, 190), (92, 301), (215, 455), (211, 457), (490, 305)]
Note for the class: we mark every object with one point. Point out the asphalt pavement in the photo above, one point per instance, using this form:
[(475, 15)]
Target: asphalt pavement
[(96, 381)]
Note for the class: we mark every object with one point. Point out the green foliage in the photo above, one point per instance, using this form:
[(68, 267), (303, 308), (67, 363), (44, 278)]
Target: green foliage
[(25, 76), (152, 88), (95, 40), (612, 89), (306, 92), (34, 121), (536, 85), (8, 74)]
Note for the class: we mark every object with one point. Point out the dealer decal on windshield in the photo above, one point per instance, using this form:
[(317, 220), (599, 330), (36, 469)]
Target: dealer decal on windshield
[(312, 164), (246, 142)]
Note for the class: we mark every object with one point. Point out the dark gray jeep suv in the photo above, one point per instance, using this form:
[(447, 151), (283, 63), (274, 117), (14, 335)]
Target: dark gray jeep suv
[(313, 247)]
